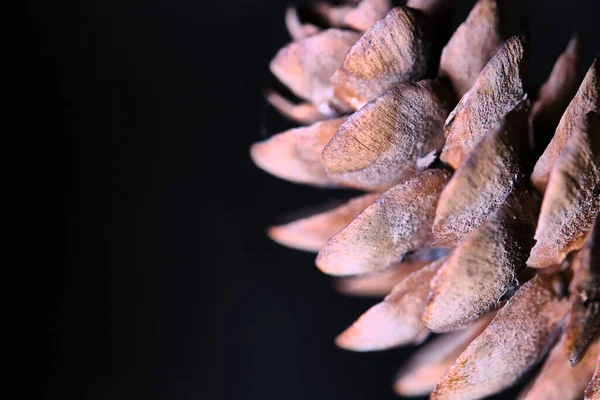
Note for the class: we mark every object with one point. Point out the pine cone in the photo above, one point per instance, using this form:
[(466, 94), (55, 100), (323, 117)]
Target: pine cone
[(462, 230)]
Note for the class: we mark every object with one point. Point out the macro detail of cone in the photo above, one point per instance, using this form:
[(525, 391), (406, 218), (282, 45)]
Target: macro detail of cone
[(395, 49), (380, 144), (420, 374), (496, 91), (306, 65), (486, 178), (476, 221), (584, 320), (470, 48), (515, 340), (572, 196), (397, 320), (397, 223), (554, 95), (587, 99), (483, 266), (311, 233), (295, 155)]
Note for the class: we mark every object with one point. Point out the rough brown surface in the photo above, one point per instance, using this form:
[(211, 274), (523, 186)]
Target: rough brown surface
[(484, 266), (295, 155), (486, 177), (311, 233), (399, 222), (572, 197), (306, 65), (584, 319), (380, 144), (425, 367), (593, 390), (555, 94), (558, 380), (396, 320), (497, 90), (587, 99), (515, 340), (471, 46), (394, 50)]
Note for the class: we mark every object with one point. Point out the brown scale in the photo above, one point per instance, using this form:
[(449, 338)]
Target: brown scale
[(457, 206)]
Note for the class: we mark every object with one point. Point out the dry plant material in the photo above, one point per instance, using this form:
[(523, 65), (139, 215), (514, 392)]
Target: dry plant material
[(497, 90), (587, 99), (484, 266), (572, 197), (378, 284), (381, 144), (471, 46), (306, 65), (396, 49), (311, 233), (295, 155), (555, 94), (515, 340), (304, 113), (397, 223), (484, 180), (593, 390), (423, 370), (485, 216), (558, 380), (396, 321), (584, 320)]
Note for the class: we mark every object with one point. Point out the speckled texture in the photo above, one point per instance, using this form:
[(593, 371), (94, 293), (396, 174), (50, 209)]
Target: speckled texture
[(497, 90), (380, 144), (306, 65), (396, 320), (399, 222), (394, 50), (584, 320), (484, 179), (516, 339), (558, 380), (484, 266), (471, 46), (311, 233), (425, 367), (593, 390), (295, 155), (587, 99), (572, 198)]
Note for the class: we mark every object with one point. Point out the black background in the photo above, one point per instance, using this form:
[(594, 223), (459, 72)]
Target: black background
[(153, 277)]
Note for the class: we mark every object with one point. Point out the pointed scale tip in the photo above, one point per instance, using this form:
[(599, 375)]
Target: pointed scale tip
[(496, 91), (375, 240), (305, 66), (423, 370), (397, 320), (571, 200), (382, 143), (586, 99), (312, 232), (515, 340), (471, 46), (395, 49), (295, 155), (302, 113)]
